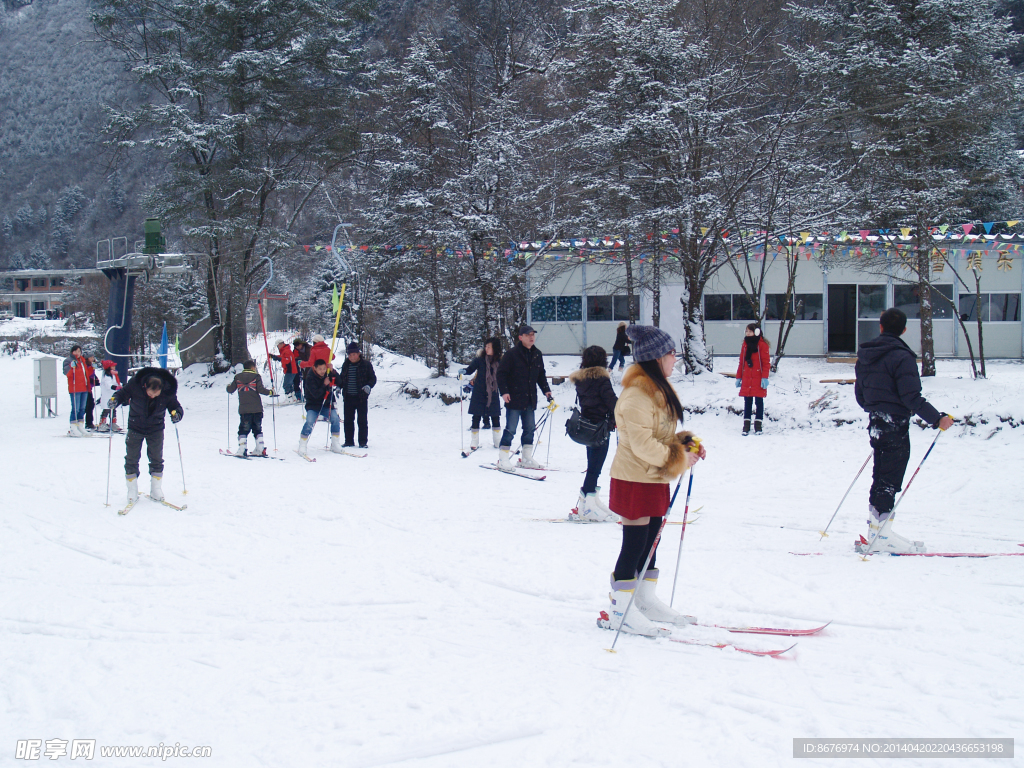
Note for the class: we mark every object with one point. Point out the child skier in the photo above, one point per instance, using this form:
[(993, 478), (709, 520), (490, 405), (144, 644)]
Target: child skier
[(289, 365), (149, 394), (110, 383), (249, 385), (321, 384)]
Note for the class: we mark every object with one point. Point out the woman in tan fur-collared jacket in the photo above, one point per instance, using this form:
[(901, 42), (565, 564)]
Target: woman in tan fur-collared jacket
[(650, 454)]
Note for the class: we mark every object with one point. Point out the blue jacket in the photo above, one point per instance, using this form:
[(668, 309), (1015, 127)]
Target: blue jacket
[(888, 380)]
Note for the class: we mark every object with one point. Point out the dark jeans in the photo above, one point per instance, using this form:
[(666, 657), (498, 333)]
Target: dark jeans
[(288, 385), (617, 355), (356, 405), (748, 402), (154, 449), (90, 409), (890, 440), (489, 422), (512, 418), (297, 384), (595, 462), (250, 422)]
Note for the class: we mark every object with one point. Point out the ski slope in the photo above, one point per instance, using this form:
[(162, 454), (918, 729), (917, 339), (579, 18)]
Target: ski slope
[(408, 609)]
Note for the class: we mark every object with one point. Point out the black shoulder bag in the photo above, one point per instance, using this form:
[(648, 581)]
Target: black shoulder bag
[(592, 434)]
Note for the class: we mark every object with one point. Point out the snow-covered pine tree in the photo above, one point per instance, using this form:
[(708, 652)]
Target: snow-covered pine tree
[(921, 92)]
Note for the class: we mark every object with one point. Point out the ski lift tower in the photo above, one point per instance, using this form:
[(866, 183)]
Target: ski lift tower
[(146, 261)]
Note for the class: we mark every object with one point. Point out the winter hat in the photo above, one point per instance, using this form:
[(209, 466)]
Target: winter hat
[(318, 339), (108, 364), (649, 343), (352, 347)]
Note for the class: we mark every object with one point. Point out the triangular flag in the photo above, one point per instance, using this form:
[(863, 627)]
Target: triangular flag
[(905, 231), (334, 297), (988, 227), (176, 346), (968, 228), (1011, 223)]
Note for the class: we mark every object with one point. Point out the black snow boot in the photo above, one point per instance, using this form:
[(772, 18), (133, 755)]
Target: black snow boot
[(757, 427), (746, 427)]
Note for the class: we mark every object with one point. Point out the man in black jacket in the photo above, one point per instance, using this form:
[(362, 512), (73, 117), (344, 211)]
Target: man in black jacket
[(889, 388), (149, 394), (321, 383), (520, 372), (357, 378)]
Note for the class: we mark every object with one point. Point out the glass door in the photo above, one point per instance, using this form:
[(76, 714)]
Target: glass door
[(842, 318)]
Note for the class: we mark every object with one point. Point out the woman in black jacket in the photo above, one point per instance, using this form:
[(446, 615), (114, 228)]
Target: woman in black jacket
[(485, 402), (620, 348), (597, 403)]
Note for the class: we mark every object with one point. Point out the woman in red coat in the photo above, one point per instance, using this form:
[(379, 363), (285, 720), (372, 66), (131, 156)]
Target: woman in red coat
[(752, 376)]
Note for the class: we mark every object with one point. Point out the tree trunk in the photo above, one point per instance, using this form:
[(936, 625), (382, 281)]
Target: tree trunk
[(442, 358), (630, 285), (981, 341), (696, 357), (924, 289), (656, 290)]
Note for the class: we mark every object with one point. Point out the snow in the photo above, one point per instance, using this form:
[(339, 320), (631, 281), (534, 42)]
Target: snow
[(408, 609)]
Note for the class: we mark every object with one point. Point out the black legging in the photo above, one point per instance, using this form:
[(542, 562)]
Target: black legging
[(489, 422), (748, 402), (637, 541)]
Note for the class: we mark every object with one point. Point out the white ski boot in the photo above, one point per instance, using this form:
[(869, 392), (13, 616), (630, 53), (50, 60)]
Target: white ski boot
[(133, 488), (243, 443), (80, 428), (527, 461), (156, 487), (604, 507), (302, 446), (261, 449), (636, 623), (655, 610), (505, 459), (336, 446), (590, 512), (496, 435), (474, 441), (884, 538)]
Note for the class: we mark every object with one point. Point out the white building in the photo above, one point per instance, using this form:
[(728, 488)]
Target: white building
[(580, 299)]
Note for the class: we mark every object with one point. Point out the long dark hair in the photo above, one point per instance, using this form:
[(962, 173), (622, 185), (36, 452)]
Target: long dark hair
[(495, 342), (653, 370), (593, 357), (750, 343)]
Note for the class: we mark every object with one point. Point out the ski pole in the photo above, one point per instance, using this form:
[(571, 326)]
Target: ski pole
[(892, 515), (110, 452), (824, 533), (679, 554), (229, 424), (181, 462), (647, 562), (270, 367), (462, 424), (551, 409)]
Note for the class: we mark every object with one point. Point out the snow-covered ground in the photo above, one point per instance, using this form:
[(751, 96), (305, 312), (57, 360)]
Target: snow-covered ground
[(408, 609)]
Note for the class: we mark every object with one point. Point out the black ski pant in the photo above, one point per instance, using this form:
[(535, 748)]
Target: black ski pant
[(890, 440), (355, 404), (250, 422), (90, 410), (489, 422), (154, 449)]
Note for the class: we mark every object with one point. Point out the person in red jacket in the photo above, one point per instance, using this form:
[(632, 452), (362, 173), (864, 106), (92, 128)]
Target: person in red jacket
[(288, 363), (752, 376), (300, 351), (78, 372), (319, 351)]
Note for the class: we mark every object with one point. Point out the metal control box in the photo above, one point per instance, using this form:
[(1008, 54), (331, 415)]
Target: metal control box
[(44, 384)]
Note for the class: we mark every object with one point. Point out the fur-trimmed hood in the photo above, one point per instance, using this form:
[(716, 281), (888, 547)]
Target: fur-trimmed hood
[(635, 376), (593, 372)]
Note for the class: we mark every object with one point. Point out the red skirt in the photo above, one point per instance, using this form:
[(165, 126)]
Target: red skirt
[(635, 500)]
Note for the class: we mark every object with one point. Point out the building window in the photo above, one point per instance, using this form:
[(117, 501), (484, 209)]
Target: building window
[(21, 284), (565, 309), (993, 307), (802, 306), (908, 299), (809, 306), (717, 306), (38, 306), (607, 308), (38, 282), (56, 282), (569, 309)]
